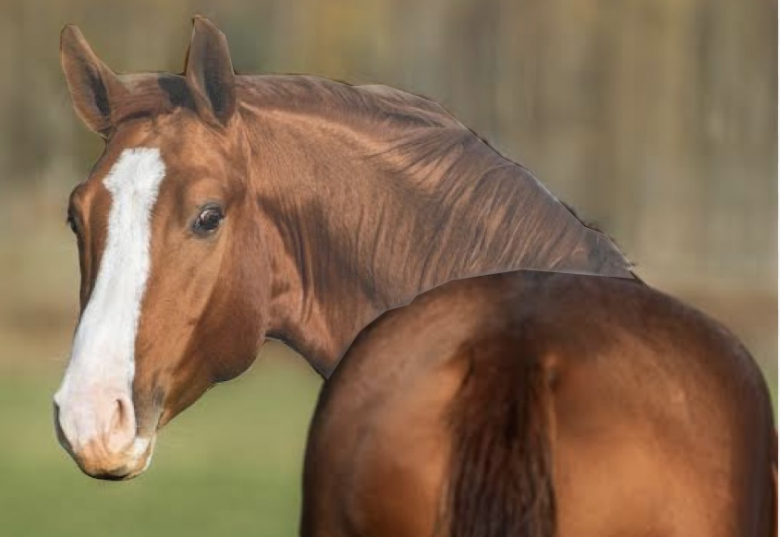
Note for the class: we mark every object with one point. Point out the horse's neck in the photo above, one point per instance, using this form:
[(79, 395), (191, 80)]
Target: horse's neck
[(356, 238)]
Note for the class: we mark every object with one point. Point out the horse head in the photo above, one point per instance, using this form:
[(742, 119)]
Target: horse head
[(161, 226)]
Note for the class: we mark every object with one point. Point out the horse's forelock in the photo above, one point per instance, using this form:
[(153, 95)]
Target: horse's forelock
[(152, 94)]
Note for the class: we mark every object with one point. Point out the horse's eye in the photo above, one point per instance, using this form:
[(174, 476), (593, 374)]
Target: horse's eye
[(208, 220)]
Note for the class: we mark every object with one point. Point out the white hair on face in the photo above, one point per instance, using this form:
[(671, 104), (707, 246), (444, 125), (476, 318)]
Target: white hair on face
[(102, 364)]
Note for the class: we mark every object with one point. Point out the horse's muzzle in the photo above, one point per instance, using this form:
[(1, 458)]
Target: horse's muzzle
[(102, 438)]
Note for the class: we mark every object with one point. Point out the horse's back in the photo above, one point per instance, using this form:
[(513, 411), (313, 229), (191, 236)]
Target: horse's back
[(658, 419)]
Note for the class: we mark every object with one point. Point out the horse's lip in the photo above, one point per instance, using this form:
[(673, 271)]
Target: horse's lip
[(114, 476), (120, 474), (136, 461)]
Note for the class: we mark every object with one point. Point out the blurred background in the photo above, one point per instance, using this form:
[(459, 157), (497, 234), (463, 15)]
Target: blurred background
[(655, 119)]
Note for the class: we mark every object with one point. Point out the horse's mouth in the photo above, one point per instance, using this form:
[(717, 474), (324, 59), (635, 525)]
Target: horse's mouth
[(120, 467)]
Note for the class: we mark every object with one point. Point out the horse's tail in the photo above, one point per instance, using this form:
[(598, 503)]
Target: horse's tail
[(500, 478)]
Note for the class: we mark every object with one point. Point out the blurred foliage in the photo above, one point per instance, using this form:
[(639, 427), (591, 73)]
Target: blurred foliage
[(656, 119)]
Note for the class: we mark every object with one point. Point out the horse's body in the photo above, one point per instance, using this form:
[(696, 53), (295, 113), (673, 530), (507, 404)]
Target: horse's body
[(227, 209), (535, 403)]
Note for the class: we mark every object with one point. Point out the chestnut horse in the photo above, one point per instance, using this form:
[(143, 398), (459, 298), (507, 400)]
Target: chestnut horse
[(540, 404), (229, 209)]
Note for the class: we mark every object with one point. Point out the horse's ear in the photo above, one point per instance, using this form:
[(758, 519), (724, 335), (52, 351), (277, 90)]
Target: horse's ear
[(94, 88), (209, 71)]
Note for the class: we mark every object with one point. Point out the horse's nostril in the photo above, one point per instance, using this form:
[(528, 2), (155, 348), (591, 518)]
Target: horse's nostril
[(121, 424), (120, 415)]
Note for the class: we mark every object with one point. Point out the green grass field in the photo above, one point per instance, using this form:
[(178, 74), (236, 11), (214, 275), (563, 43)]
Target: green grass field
[(230, 465)]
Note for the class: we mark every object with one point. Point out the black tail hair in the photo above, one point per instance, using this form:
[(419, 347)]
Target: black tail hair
[(500, 482)]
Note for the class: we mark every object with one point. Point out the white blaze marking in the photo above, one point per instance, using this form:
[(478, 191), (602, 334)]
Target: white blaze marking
[(102, 366)]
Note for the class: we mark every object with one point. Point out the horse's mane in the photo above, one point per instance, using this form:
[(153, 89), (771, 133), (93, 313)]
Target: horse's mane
[(503, 213), (424, 133), (372, 104)]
